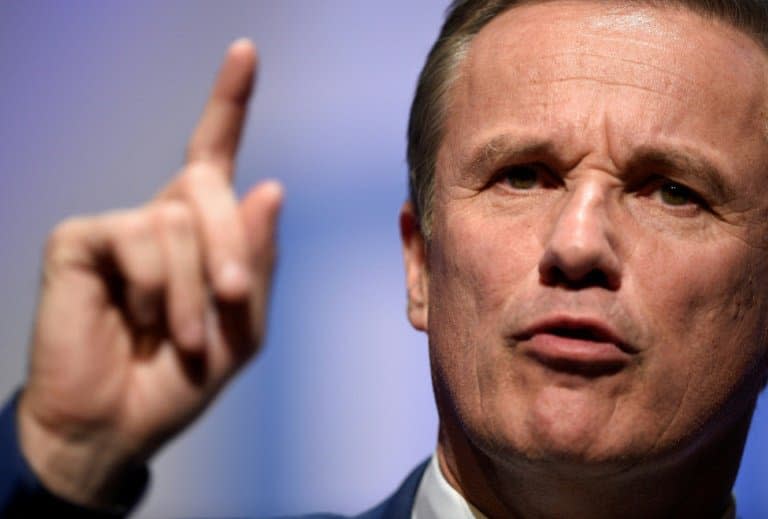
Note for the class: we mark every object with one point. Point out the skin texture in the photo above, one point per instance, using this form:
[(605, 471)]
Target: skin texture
[(145, 313), (554, 200)]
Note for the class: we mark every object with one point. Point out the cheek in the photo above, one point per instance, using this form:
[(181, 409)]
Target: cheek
[(480, 264), (706, 324), (484, 256)]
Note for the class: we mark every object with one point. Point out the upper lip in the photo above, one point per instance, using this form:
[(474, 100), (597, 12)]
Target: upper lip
[(586, 328)]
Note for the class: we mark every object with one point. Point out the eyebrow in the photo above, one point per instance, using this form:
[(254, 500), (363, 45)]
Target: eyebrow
[(507, 149), (510, 149), (675, 160)]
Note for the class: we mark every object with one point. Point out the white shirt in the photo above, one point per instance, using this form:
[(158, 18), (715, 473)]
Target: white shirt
[(436, 499)]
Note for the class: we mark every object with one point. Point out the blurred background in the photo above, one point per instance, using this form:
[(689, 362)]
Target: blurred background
[(97, 100)]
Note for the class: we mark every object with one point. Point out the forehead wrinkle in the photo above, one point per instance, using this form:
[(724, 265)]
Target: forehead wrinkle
[(623, 59), (656, 21), (609, 71), (609, 83)]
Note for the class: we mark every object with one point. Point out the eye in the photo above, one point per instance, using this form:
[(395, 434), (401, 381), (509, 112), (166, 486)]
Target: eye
[(677, 195), (523, 177)]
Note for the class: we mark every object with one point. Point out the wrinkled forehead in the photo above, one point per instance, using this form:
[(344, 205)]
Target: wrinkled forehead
[(540, 53), (570, 35)]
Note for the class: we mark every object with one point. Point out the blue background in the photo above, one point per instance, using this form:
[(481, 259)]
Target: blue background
[(96, 102)]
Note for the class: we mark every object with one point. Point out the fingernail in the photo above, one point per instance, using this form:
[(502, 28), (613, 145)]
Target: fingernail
[(275, 186), (240, 42)]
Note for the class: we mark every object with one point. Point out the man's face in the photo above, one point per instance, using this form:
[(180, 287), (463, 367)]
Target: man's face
[(597, 272)]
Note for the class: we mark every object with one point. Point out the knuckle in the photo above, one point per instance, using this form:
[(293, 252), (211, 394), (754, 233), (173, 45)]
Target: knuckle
[(135, 226), (64, 233), (202, 176), (139, 249), (207, 157), (196, 175), (195, 181), (175, 217), (61, 246)]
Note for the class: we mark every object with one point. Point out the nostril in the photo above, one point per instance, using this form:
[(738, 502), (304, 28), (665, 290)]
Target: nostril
[(555, 276)]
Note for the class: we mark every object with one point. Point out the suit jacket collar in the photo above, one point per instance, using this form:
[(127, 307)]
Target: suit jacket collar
[(400, 504)]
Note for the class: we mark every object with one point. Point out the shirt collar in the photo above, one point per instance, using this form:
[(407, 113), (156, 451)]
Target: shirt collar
[(436, 499)]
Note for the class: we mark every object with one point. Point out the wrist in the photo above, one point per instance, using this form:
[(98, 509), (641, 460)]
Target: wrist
[(81, 468)]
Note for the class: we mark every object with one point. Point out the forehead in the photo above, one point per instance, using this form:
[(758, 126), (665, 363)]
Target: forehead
[(647, 72), (674, 34)]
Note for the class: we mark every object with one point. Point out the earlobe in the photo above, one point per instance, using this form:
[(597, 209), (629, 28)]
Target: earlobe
[(416, 273)]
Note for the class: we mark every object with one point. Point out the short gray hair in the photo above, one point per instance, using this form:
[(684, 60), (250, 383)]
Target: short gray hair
[(464, 19)]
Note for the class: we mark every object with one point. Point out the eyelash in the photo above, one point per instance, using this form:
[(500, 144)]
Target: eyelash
[(658, 184), (541, 176)]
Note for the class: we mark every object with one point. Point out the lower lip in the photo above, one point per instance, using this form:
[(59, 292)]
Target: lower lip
[(567, 354)]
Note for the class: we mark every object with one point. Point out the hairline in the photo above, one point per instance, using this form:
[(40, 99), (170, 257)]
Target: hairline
[(421, 190)]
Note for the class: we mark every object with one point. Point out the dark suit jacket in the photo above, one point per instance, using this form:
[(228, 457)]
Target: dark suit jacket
[(397, 506)]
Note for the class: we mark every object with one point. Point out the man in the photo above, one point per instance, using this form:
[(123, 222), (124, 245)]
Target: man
[(585, 245)]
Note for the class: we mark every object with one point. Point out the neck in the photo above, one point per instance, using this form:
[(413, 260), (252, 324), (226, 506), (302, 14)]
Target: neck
[(695, 483)]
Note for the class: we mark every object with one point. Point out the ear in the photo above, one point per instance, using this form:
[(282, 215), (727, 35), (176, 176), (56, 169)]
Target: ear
[(416, 274)]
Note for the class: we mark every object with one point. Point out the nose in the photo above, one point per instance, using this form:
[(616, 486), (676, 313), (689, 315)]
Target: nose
[(580, 250)]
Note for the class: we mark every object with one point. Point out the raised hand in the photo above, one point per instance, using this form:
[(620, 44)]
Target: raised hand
[(145, 313)]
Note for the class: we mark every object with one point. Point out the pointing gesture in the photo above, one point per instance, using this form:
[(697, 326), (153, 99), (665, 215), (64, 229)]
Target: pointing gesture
[(145, 313)]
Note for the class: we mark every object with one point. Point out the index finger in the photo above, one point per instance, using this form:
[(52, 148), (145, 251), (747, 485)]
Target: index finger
[(217, 135)]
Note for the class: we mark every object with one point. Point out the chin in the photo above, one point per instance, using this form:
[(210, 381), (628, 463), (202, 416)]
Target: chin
[(573, 432), (555, 454)]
